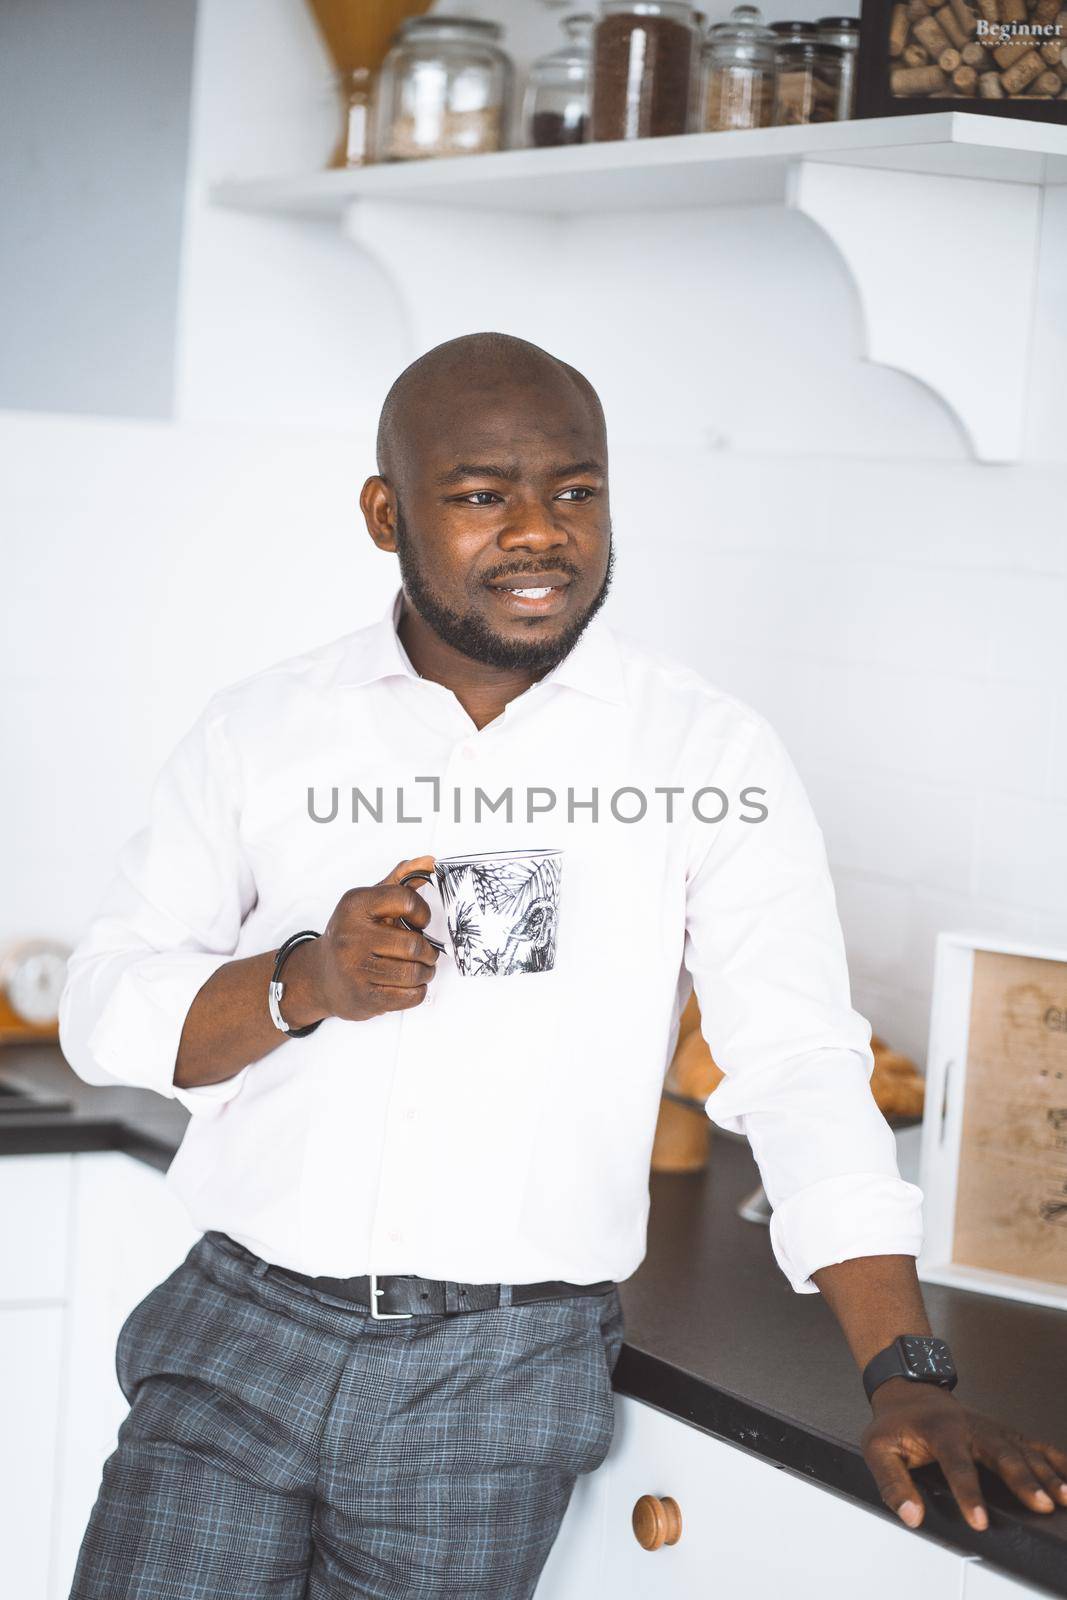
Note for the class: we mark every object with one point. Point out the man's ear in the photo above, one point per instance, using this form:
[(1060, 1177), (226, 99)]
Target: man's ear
[(378, 504)]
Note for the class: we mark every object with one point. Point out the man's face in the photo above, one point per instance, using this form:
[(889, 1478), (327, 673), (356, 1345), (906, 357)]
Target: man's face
[(503, 526)]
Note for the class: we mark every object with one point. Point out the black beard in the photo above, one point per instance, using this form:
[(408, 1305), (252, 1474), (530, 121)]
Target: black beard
[(473, 637)]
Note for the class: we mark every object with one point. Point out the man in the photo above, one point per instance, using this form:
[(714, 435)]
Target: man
[(387, 1360)]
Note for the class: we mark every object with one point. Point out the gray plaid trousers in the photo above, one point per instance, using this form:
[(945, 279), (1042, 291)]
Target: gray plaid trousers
[(282, 1445)]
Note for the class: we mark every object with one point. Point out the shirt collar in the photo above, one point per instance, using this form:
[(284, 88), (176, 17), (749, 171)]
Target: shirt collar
[(593, 667)]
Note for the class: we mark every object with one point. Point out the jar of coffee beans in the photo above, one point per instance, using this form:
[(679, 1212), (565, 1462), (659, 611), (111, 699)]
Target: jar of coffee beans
[(643, 74), (444, 90), (807, 84), (738, 72), (560, 87)]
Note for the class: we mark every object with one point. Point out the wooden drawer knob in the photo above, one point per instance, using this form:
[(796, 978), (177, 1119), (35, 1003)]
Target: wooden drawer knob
[(657, 1521)]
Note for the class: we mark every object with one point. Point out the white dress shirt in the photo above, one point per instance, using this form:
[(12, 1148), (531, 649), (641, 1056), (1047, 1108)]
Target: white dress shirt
[(502, 1130)]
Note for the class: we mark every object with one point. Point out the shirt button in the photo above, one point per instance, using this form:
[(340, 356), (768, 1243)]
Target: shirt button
[(410, 1114), (468, 752), (395, 1237)]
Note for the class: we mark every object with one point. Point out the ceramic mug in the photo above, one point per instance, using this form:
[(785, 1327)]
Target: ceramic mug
[(502, 908)]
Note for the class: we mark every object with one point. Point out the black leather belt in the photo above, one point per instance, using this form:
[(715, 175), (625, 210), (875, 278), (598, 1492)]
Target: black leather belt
[(385, 1296)]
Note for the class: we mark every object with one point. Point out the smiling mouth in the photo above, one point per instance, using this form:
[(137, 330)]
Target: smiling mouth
[(532, 594), (534, 583)]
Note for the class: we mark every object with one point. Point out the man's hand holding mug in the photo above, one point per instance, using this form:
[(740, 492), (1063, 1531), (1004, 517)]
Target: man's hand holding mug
[(366, 963)]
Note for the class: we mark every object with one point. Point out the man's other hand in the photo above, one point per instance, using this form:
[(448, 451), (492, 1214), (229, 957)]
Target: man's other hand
[(915, 1424)]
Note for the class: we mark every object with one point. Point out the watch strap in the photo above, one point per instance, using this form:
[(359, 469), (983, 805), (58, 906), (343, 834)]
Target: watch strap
[(888, 1363), (892, 1363), (276, 988)]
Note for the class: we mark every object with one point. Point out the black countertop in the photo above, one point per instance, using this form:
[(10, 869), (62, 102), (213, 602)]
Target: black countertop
[(714, 1334), (145, 1125)]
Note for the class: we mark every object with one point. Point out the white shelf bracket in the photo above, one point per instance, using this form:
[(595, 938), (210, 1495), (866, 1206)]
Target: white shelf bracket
[(497, 265), (945, 268)]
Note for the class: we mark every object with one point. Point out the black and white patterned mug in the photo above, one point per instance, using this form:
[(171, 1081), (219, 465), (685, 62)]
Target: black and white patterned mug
[(502, 909)]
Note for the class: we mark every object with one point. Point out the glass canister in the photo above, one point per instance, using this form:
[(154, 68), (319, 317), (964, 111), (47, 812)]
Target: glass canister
[(560, 87), (738, 72), (696, 87), (642, 68), (444, 90), (807, 80), (844, 32), (356, 96)]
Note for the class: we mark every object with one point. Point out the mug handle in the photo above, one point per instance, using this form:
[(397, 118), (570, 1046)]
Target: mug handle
[(420, 877)]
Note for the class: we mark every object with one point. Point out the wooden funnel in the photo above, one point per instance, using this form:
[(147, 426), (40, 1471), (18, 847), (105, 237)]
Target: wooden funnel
[(358, 32)]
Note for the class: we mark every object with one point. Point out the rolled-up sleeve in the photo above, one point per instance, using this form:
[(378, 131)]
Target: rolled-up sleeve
[(170, 918), (766, 954)]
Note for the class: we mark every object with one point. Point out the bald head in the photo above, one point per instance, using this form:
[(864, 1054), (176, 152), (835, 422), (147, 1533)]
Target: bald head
[(492, 491), (461, 379)]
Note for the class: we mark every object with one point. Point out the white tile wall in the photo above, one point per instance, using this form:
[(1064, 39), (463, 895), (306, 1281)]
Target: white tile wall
[(904, 627)]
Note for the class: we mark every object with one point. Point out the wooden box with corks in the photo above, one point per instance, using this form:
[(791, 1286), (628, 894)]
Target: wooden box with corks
[(683, 1132), (1001, 57)]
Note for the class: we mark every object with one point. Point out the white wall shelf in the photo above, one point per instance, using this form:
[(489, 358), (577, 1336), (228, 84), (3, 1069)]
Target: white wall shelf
[(911, 204), (694, 169)]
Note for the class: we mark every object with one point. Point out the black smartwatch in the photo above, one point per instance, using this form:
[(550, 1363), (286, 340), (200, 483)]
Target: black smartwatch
[(918, 1357)]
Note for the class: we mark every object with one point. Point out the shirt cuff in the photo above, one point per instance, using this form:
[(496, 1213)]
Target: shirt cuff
[(843, 1218), (137, 1035)]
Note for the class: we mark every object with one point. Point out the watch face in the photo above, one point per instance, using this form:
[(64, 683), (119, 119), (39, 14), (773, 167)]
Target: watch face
[(927, 1358)]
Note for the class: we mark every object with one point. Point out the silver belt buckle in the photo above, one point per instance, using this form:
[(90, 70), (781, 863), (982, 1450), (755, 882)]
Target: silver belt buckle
[(383, 1316)]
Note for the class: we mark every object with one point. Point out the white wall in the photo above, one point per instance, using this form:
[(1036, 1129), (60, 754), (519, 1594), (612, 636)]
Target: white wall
[(804, 527), (903, 627)]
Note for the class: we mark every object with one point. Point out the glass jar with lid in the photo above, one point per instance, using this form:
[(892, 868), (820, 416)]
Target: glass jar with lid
[(560, 87), (643, 54), (738, 72), (807, 84), (844, 32), (696, 87), (353, 147), (444, 89)]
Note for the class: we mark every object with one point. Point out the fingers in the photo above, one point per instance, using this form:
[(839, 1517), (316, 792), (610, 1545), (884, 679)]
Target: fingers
[(961, 1474), (388, 899), (402, 868), (1046, 1474), (895, 1483), (396, 900), (397, 974), (1057, 1459), (387, 998), (400, 944), (1014, 1460)]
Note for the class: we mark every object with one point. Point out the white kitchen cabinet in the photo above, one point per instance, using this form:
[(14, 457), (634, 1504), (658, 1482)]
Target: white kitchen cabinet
[(35, 1198), (31, 1340), (128, 1233), (35, 1205), (88, 1235), (573, 1568), (750, 1528)]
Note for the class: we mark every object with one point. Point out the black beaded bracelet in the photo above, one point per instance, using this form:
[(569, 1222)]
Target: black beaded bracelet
[(276, 989)]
